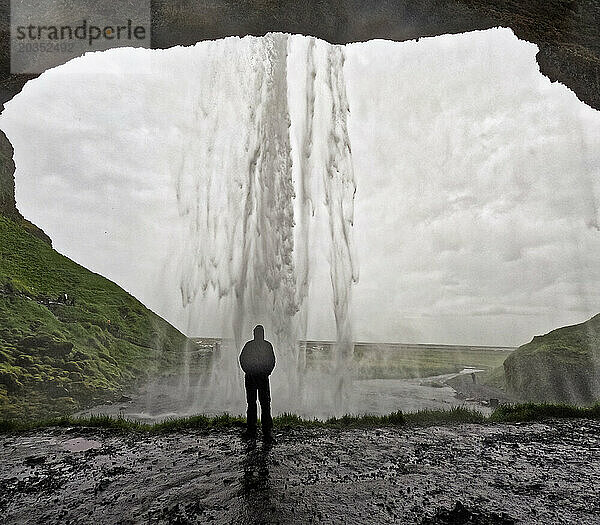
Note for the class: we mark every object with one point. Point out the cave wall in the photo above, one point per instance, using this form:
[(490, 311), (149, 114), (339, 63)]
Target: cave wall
[(7, 180), (8, 206), (566, 32)]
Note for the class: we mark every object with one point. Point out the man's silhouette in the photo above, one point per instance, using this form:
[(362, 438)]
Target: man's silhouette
[(257, 361)]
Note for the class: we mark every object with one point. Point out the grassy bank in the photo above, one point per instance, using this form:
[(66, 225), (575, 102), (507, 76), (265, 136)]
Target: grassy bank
[(525, 412), (562, 366), (69, 337)]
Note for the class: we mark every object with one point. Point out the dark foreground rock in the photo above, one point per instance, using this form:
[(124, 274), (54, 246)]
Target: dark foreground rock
[(478, 474)]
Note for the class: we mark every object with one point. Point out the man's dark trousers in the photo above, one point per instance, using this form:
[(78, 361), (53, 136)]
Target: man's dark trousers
[(258, 384)]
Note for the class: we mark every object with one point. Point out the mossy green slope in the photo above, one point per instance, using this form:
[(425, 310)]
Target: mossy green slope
[(56, 356), (561, 366)]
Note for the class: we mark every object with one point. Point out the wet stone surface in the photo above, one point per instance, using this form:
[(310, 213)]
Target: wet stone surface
[(475, 474)]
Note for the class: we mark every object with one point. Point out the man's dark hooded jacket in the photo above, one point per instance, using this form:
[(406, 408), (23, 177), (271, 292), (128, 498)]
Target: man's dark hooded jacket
[(257, 357)]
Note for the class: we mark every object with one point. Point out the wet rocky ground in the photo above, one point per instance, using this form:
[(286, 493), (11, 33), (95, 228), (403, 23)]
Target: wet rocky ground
[(477, 474)]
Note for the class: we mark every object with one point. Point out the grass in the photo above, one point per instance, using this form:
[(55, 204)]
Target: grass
[(396, 361), (525, 412), (56, 357), (539, 411), (198, 422)]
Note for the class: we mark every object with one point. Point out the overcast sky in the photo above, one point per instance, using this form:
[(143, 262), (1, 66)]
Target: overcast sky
[(477, 185)]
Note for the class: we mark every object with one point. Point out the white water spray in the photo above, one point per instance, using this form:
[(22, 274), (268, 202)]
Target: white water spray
[(249, 203)]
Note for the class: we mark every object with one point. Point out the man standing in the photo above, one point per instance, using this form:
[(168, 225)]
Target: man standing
[(257, 361)]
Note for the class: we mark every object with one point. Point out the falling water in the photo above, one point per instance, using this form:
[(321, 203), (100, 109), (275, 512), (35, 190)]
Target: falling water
[(249, 200)]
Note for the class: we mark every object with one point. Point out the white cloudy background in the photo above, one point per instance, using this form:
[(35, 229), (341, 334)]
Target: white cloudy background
[(478, 182)]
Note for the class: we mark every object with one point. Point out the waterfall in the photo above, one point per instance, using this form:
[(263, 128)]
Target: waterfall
[(249, 199)]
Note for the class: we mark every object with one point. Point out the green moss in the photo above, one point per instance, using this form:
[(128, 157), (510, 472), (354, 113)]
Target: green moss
[(56, 357)]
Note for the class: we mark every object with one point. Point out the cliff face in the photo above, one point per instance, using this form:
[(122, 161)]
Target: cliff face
[(561, 366), (8, 206), (566, 32)]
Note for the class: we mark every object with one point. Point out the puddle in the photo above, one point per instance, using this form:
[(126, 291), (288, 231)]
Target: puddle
[(80, 444)]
